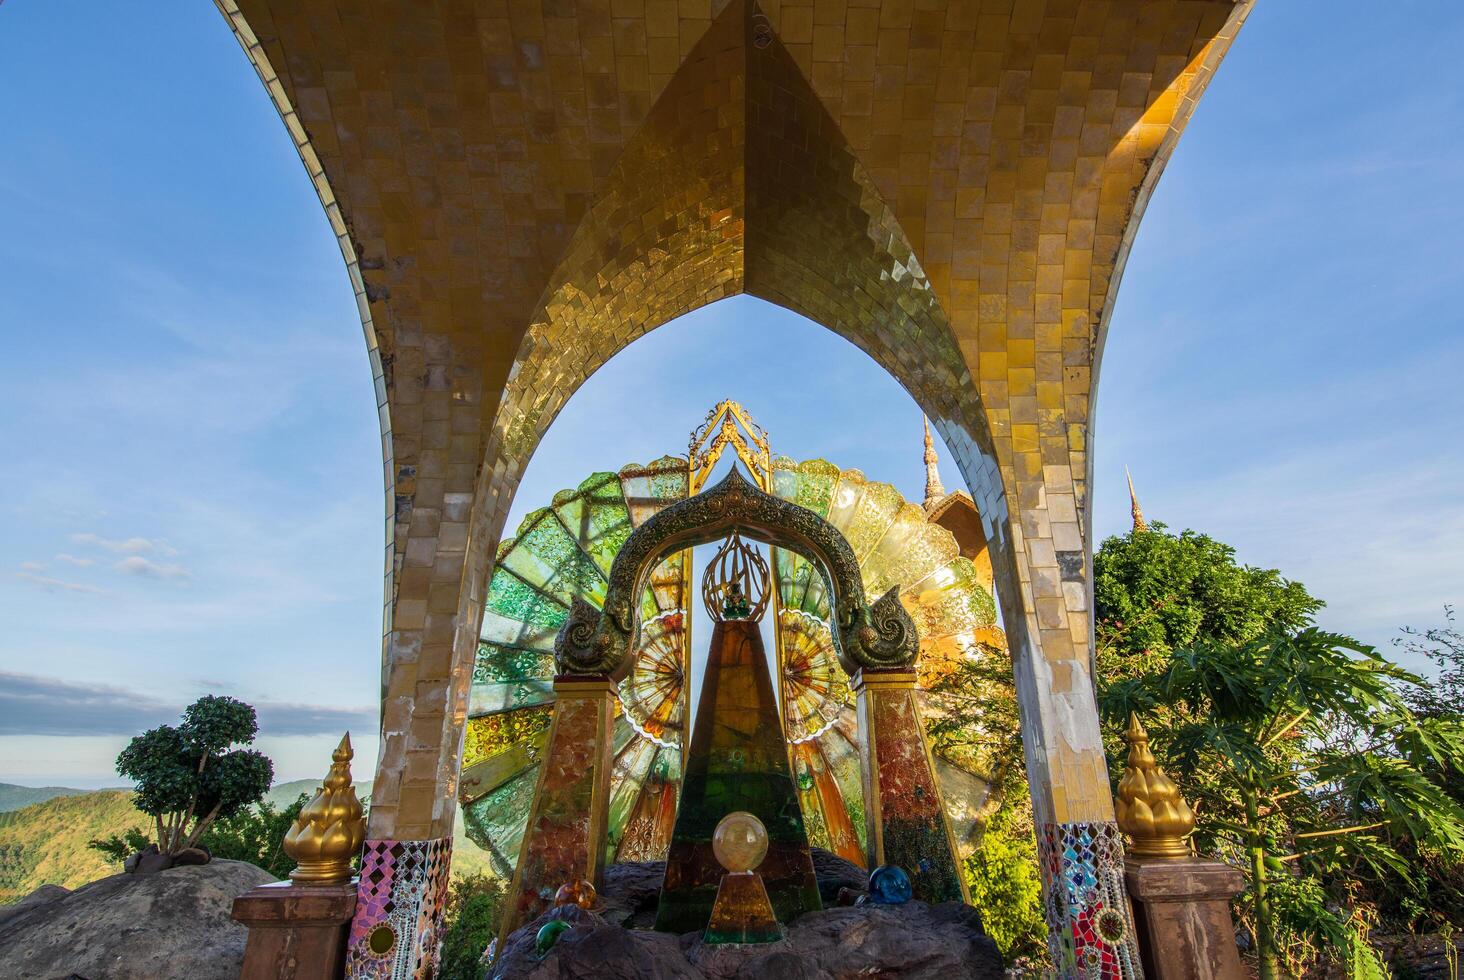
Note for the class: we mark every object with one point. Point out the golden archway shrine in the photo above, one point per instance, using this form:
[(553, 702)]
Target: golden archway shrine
[(521, 189), (564, 554)]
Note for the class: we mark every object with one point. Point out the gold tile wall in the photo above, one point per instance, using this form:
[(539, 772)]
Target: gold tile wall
[(522, 187)]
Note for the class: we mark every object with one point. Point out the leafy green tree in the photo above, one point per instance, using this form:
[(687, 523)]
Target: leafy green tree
[(1002, 876), (118, 847), (256, 834), (1155, 592), (974, 722), (192, 775), (1301, 754), (1309, 759), (471, 912)]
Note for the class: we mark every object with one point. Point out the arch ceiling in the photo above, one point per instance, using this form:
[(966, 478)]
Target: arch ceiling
[(522, 187)]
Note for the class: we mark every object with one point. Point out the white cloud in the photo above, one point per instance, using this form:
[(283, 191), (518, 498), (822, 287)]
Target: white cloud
[(124, 546), (31, 704), (78, 562), (138, 565), (33, 566), (57, 585)]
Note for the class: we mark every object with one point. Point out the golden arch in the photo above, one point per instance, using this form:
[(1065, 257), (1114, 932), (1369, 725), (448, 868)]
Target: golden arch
[(869, 636)]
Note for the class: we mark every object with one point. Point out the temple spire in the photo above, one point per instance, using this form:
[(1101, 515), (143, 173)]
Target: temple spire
[(934, 491), (1139, 523)]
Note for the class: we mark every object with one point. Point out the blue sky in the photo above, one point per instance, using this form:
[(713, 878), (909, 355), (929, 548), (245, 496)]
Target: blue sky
[(194, 492)]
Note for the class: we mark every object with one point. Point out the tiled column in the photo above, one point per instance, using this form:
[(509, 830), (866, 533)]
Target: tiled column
[(398, 920), (906, 821), (565, 840)]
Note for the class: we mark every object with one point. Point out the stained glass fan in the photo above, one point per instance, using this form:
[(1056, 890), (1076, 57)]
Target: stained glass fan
[(561, 552), (895, 545)]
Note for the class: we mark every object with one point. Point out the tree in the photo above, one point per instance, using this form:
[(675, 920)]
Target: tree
[(1298, 749), (471, 912), (256, 834), (190, 776), (973, 719), (1155, 592), (1302, 755)]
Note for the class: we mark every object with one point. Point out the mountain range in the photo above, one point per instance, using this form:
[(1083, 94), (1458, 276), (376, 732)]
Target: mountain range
[(44, 833)]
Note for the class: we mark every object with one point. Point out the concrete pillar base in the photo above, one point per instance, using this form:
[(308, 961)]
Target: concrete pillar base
[(295, 931), (1182, 913)]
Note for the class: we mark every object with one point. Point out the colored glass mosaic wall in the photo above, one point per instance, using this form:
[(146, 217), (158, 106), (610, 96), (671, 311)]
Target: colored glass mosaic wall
[(1089, 923), (911, 832), (560, 553), (562, 831), (736, 761), (397, 926)]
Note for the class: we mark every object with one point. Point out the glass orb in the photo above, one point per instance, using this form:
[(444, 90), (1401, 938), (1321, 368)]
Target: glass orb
[(740, 842), (581, 893), (549, 934), (889, 885)]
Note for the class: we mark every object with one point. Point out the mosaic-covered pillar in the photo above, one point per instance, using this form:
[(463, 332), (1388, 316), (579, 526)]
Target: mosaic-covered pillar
[(906, 821), (399, 898), (565, 839)]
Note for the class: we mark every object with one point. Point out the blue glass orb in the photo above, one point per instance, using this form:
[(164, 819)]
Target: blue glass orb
[(549, 934), (889, 885)]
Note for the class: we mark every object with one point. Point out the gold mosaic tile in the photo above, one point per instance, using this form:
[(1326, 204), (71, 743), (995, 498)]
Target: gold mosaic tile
[(522, 187)]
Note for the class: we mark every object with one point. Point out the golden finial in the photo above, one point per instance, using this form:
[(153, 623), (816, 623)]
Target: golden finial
[(1139, 523), (735, 584), (1150, 809), (934, 491), (329, 831)]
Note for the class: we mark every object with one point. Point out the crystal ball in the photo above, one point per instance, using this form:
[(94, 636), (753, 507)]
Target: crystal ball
[(740, 842), (549, 934), (581, 893), (889, 885)]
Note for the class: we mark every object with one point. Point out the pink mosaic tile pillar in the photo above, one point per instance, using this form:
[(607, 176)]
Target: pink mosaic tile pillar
[(397, 926), (565, 839), (906, 821)]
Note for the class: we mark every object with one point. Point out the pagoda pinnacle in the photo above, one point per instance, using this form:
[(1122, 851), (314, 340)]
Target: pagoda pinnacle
[(934, 491), (1139, 523)]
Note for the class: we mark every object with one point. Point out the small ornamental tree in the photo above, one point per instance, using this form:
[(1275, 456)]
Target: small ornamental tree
[(192, 775)]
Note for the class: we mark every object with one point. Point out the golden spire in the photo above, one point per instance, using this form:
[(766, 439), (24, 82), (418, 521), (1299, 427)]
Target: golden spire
[(329, 831), (1150, 809), (934, 491), (1139, 523)]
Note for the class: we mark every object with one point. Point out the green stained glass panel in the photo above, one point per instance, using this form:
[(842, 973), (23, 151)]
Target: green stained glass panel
[(545, 555), (596, 515), (496, 821), (517, 614)]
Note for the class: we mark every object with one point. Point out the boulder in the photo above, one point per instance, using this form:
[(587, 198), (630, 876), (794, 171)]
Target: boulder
[(913, 941), (42, 895), (173, 924)]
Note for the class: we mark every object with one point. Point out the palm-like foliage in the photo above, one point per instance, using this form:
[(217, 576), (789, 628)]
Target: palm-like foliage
[(1301, 756)]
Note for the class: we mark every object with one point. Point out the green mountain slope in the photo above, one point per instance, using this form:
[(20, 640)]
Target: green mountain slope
[(46, 843), (13, 797)]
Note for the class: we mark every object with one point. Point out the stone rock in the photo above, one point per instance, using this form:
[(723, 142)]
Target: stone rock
[(173, 924), (42, 895), (631, 889), (629, 892), (913, 941), (834, 873)]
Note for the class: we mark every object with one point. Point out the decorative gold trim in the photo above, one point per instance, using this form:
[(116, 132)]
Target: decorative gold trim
[(582, 686), (882, 680), (327, 835), (719, 430), (878, 635), (1151, 810)]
